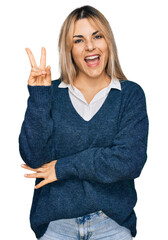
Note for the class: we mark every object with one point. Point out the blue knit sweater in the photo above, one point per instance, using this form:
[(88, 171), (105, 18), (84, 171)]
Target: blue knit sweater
[(98, 159)]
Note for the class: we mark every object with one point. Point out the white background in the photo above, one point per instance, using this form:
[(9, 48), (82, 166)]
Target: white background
[(140, 32)]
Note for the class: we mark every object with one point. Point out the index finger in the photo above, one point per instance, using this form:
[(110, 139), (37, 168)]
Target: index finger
[(43, 58), (31, 58), (32, 169)]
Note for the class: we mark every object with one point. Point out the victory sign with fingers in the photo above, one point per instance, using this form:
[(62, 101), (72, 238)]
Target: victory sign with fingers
[(39, 76)]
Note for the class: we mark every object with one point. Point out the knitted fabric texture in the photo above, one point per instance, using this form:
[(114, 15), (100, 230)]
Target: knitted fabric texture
[(98, 159)]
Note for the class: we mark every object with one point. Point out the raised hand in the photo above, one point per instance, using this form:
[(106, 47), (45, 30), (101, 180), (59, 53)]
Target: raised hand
[(39, 76)]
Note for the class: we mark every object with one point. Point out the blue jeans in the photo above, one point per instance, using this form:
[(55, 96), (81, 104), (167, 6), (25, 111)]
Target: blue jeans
[(93, 226)]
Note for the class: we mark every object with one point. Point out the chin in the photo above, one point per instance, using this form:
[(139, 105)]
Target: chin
[(94, 73)]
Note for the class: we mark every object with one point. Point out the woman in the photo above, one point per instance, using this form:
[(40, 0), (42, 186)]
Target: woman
[(84, 135)]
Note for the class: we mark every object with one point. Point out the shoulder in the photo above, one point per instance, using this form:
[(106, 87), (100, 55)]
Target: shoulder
[(132, 93), (54, 85), (56, 82), (129, 87)]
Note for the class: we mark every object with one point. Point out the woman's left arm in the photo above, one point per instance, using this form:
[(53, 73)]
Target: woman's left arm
[(124, 159)]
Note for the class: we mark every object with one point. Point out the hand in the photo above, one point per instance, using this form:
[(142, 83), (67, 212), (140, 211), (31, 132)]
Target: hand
[(47, 171), (39, 76)]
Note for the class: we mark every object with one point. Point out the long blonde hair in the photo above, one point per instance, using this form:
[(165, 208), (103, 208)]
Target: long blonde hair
[(68, 69)]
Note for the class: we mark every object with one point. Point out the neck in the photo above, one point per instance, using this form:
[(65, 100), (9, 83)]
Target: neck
[(83, 82)]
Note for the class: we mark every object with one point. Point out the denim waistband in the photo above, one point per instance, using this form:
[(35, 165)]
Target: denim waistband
[(88, 216)]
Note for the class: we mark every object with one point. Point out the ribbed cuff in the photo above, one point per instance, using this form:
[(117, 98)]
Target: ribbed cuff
[(65, 169), (40, 94)]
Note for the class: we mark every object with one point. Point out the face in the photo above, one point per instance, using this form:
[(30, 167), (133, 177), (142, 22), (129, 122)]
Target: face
[(89, 49)]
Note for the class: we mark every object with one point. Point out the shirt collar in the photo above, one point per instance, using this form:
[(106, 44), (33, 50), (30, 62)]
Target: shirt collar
[(115, 83)]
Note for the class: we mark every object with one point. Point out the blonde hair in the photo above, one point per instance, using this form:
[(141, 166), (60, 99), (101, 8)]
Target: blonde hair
[(68, 68)]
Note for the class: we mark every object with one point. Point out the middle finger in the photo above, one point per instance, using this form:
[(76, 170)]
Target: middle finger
[(35, 175)]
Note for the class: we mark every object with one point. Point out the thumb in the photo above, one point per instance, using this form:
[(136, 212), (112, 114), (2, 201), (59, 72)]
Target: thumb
[(48, 71), (48, 68)]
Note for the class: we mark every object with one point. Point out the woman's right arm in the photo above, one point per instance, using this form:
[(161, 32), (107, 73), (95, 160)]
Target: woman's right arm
[(35, 139)]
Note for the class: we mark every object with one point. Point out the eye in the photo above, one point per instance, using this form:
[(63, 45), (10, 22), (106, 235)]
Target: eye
[(78, 41), (98, 36)]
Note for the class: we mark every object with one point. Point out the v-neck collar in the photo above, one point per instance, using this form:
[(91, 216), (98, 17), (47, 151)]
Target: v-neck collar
[(77, 93), (69, 105)]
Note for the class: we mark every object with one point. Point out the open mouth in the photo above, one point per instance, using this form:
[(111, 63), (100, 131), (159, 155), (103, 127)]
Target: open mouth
[(92, 60)]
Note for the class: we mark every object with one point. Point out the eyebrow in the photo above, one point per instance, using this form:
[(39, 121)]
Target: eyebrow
[(81, 36)]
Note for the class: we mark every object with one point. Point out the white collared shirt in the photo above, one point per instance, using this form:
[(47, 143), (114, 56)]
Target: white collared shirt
[(85, 110)]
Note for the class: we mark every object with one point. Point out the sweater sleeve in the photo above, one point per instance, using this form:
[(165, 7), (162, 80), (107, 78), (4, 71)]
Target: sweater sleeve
[(35, 138), (124, 159)]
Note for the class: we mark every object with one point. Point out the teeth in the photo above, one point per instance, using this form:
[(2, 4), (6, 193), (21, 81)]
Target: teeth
[(92, 57)]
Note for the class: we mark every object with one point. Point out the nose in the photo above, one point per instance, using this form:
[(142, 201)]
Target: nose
[(89, 45)]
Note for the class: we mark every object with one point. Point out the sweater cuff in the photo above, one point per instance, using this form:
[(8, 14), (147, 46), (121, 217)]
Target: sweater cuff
[(40, 94), (65, 169)]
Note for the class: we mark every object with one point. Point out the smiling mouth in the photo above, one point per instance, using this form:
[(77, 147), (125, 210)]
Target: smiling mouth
[(92, 61)]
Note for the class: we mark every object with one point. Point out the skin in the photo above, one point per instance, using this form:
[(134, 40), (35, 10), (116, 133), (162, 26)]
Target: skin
[(40, 76), (47, 171), (89, 80)]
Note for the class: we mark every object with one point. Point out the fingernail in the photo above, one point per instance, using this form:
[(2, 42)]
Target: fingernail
[(25, 175), (43, 72)]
